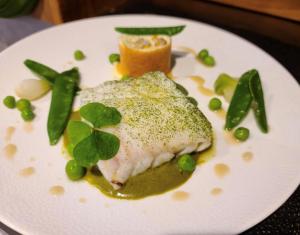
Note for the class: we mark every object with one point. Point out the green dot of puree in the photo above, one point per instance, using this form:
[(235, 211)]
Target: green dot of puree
[(203, 53), (209, 61), (186, 163), (241, 133), (215, 104), (23, 104), (78, 55), (9, 102), (114, 58)]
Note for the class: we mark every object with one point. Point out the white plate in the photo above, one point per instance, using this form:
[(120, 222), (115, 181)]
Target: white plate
[(251, 191)]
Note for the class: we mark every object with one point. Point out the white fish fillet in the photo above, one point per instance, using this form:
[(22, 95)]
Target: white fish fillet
[(158, 123)]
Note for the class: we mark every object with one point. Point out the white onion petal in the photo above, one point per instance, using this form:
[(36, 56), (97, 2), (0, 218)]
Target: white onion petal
[(32, 89)]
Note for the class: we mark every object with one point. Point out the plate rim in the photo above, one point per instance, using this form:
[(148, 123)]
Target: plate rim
[(263, 215)]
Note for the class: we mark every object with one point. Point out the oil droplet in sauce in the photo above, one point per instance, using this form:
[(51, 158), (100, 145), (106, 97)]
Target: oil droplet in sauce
[(206, 155), (57, 190), (200, 82), (82, 200), (32, 159), (10, 151), (28, 171), (221, 113), (216, 191), (67, 65), (28, 127), (229, 138), (180, 196), (9, 132), (247, 156), (221, 170)]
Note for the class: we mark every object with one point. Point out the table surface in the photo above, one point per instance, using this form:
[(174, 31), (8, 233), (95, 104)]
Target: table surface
[(286, 220)]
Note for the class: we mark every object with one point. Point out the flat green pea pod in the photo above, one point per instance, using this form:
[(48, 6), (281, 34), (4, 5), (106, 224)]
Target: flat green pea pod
[(41, 70), (258, 103), (61, 105), (170, 31), (74, 73), (240, 102)]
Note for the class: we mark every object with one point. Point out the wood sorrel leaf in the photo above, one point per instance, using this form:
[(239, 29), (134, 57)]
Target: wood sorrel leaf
[(107, 144), (97, 146), (86, 152), (76, 132), (100, 115)]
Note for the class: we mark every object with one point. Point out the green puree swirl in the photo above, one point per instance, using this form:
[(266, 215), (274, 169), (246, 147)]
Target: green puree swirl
[(152, 182)]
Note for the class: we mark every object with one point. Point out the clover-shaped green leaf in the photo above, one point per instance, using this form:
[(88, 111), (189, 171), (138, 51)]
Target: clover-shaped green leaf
[(76, 132), (89, 145), (107, 144), (86, 151), (100, 115), (99, 145)]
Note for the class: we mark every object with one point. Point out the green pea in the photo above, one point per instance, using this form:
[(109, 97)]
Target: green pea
[(74, 171), (23, 104), (215, 104), (203, 53), (27, 114), (114, 58), (9, 102), (78, 55), (241, 133), (209, 61), (186, 163)]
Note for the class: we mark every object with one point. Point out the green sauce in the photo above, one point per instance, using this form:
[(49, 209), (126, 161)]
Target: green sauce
[(154, 181), (151, 182)]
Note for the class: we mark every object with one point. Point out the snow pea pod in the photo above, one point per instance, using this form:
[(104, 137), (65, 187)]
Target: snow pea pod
[(49, 74), (170, 31), (63, 94), (73, 73), (258, 103), (41, 70), (240, 102)]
